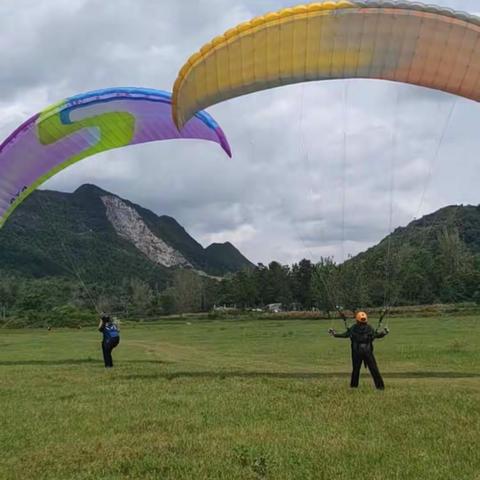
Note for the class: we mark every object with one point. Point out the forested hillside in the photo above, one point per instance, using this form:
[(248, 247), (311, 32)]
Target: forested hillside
[(103, 238), (433, 259), (77, 262)]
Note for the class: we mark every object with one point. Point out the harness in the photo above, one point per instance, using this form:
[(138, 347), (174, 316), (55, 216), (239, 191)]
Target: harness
[(110, 331)]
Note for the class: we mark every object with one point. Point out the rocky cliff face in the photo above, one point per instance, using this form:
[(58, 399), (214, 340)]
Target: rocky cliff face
[(108, 239), (130, 226)]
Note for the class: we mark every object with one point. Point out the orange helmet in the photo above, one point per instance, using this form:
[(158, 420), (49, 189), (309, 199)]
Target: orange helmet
[(361, 317)]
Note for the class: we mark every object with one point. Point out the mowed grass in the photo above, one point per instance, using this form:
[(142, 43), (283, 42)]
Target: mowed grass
[(240, 400)]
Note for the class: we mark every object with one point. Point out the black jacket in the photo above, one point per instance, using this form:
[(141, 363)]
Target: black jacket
[(361, 336)]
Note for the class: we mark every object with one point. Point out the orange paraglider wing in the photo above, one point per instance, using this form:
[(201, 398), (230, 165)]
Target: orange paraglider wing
[(399, 41)]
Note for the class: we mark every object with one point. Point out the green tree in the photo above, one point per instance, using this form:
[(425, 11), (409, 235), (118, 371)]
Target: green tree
[(353, 285), (167, 302), (277, 285), (187, 290), (9, 287), (141, 295), (302, 283), (325, 284), (244, 294), (455, 267)]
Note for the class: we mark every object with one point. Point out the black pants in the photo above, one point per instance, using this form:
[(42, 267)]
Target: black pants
[(107, 347), (365, 355)]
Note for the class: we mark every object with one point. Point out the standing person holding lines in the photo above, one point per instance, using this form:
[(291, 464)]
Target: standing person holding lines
[(111, 338), (361, 336)]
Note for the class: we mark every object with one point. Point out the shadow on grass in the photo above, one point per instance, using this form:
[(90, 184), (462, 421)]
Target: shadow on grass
[(72, 361), (231, 374), (294, 375)]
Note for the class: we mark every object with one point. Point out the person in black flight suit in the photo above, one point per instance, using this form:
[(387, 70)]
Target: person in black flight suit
[(361, 336), (111, 338)]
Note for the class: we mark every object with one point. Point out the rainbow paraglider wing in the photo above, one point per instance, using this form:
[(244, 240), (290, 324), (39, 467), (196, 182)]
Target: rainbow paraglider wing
[(391, 40), (84, 125)]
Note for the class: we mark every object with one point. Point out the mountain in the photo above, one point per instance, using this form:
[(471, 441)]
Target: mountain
[(425, 232), (96, 236), (226, 256), (433, 259)]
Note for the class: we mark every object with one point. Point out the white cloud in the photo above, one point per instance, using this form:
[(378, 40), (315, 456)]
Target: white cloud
[(281, 195)]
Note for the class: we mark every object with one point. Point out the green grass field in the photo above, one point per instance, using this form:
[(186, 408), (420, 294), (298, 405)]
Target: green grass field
[(240, 400)]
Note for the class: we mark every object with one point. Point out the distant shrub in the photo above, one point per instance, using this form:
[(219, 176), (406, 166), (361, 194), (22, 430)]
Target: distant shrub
[(216, 315), (63, 316)]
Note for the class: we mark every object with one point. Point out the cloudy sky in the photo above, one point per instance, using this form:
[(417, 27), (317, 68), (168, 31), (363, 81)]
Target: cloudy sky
[(313, 164)]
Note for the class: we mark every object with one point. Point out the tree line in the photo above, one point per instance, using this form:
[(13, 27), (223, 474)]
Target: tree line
[(399, 271), (445, 272)]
